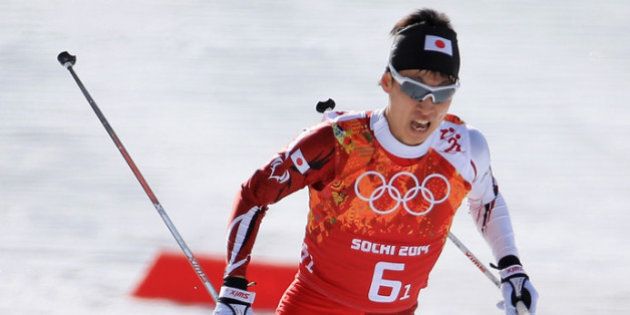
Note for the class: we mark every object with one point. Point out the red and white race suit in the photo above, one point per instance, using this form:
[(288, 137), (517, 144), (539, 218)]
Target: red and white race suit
[(380, 211)]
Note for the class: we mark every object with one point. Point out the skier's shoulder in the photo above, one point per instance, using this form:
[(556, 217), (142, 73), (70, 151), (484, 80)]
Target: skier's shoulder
[(337, 117), (326, 131), (454, 130), (315, 137), (452, 136), (462, 144)]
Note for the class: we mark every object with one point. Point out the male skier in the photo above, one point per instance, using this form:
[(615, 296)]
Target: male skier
[(384, 186)]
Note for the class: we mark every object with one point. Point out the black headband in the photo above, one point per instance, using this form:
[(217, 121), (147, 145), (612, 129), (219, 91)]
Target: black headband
[(420, 46)]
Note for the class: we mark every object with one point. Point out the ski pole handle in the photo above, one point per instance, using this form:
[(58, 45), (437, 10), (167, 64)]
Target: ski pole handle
[(521, 309)]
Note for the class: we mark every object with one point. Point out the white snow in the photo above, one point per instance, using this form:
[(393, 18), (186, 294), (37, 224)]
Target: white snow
[(204, 92)]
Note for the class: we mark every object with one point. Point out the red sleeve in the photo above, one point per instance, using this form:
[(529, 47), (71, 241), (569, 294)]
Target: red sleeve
[(308, 161)]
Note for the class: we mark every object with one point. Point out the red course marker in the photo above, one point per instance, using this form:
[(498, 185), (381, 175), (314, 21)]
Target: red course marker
[(170, 277)]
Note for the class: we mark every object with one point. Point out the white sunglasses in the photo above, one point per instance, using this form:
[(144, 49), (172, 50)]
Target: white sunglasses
[(420, 91)]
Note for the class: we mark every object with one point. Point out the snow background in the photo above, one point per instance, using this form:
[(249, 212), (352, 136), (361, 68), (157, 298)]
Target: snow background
[(204, 92)]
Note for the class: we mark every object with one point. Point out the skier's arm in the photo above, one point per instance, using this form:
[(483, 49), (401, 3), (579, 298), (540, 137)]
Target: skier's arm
[(309, 160), (491, 215), (486, 204)]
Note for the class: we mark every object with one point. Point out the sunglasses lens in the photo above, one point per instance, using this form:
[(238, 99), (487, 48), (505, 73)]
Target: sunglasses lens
[(418, 92), (414, 91), (443, 95)]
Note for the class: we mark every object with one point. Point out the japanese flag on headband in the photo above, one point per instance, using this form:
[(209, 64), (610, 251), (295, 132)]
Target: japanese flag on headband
[(439, 44), (299, 161)]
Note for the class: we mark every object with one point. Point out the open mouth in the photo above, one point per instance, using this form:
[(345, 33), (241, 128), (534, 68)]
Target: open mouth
[(420, 125)]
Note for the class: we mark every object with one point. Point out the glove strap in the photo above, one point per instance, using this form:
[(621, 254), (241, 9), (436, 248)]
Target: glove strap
[(241, 296), (511, 272)]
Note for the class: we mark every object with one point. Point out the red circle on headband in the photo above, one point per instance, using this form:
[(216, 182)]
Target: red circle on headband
[(440, 43)]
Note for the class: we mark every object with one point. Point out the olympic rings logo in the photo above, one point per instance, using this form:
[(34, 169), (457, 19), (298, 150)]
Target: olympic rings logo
[(395, 194)]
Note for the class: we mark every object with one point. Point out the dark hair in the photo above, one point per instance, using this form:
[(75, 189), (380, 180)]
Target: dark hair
[(425, 16)]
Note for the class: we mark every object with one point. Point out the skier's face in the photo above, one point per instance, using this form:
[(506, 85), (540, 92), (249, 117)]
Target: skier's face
[(412, 121)]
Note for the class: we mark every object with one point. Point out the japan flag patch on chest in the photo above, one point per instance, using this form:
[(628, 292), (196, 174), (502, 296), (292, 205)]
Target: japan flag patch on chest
[(439, 44), (299, 161)]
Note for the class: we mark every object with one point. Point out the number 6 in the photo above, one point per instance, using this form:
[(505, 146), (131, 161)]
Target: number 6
[(378, 282)]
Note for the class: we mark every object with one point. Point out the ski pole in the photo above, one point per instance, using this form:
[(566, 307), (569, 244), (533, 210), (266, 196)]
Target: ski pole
[(521, 309), (474, 259), (68, 61)]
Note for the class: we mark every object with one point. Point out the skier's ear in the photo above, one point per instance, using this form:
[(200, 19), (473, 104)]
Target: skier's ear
[(386, 82)]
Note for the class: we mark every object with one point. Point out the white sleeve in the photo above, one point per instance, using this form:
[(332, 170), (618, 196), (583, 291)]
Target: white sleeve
[(487, 206)]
